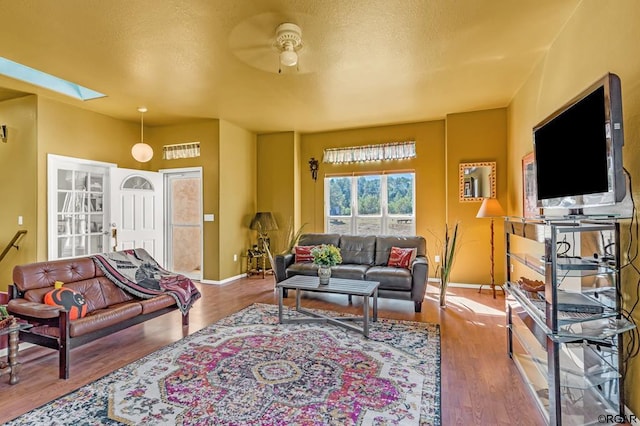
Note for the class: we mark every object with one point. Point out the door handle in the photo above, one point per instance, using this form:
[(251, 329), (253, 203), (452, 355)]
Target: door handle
[(114, 235)]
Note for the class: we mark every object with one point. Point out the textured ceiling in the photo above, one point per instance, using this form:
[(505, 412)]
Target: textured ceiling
[(367, 62)]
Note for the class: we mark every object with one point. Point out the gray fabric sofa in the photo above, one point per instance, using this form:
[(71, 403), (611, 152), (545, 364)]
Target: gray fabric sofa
[(365, 258)]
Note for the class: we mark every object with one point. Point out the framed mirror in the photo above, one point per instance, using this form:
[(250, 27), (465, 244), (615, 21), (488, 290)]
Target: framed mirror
[(477, 181)]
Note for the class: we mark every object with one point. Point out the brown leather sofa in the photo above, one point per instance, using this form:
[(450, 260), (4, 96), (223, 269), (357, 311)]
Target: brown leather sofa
[(109, 308), (365, 258)]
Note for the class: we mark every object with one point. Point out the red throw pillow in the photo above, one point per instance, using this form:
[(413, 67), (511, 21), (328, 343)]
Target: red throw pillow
[(401, 257), (303, 254), (68, 299)]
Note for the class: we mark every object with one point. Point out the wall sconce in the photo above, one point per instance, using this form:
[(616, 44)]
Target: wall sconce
[(313, 168), (3, 133)]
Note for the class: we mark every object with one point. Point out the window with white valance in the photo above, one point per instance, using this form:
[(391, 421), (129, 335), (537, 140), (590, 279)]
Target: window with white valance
[(181, 150), (378, 152)]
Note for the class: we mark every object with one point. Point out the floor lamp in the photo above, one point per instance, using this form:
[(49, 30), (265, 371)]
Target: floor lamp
[(491, 209)]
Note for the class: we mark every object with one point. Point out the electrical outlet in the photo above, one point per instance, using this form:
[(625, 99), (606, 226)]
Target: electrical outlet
[(436, 258), (235, 257), (19, 220), (511, 267)]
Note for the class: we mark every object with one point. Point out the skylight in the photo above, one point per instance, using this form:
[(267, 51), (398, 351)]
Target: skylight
[(48, 81)]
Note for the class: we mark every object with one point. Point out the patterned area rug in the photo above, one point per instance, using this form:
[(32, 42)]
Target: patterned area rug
[(248, 370)]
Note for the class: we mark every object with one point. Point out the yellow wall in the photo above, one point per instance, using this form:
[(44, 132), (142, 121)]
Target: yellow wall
[(428, 165), (237, 196), (602, 36), (18, 183), (278, 183), (474, 137), (208, 134)]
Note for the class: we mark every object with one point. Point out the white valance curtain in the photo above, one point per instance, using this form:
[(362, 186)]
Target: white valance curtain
[(181, 150), (378, 152)]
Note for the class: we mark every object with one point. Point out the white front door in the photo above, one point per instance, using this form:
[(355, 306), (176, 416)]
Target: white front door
[(137, 211)]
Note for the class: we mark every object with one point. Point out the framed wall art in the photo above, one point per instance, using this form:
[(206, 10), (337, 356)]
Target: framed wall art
[(529, 191)]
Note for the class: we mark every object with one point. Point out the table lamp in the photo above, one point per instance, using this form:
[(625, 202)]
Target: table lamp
[(491, 208), (263, 222)]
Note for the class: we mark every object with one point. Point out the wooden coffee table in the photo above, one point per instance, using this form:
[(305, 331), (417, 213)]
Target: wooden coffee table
[(300, 283)]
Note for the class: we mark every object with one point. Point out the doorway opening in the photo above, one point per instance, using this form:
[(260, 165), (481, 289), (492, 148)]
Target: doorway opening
[(183, 221)]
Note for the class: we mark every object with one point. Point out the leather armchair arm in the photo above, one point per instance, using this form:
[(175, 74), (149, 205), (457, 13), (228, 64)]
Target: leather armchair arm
[(282, 262), (420, 273), (24, 308)]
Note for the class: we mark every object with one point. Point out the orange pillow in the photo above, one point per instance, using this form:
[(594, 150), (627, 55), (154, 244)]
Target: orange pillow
[(401, 257), (69, 300), (303, 254)]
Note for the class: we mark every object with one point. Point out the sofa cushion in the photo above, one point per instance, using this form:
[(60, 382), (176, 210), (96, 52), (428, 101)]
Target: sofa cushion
[(390, 278), (104, 318), (45, 274), (317, 239), (401, 257), (156, 303), (303, 254), (349, 271), (302, 269), (386, 242), (358, 249)]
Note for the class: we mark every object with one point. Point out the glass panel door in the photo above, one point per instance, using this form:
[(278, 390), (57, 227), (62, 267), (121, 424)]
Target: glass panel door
[(76, 215)]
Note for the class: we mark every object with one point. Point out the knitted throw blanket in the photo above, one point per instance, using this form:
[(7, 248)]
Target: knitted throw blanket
[(137, 273)]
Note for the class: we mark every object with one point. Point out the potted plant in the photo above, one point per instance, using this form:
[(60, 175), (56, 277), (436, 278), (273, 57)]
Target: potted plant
[(448, 253), (325, 256), (5, 317)]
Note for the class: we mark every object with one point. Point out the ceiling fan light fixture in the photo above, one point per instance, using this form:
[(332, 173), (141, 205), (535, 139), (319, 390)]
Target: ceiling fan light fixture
[(288, 42), (288, 58), (141, 151)]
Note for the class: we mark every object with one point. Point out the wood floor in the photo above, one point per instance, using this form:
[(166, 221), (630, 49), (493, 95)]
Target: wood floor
[(480, 384)]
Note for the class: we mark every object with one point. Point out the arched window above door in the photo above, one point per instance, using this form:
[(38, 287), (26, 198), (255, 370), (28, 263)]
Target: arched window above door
[(137, 183)]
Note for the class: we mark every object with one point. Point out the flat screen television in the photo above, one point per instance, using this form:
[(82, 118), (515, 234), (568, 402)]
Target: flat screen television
[(578, 150)]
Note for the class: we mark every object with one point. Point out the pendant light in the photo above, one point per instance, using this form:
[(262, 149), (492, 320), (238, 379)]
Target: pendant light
[(141, 151)]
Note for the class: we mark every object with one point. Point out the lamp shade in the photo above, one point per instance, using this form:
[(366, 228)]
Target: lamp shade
[(490, 208), (288, 58), (263, 222), (142, 152)]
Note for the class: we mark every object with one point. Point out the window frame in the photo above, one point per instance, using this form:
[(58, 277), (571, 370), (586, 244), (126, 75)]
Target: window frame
[(385, 217)]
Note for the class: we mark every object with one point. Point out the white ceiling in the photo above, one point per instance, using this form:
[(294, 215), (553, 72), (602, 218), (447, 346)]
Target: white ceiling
[(364, 62)]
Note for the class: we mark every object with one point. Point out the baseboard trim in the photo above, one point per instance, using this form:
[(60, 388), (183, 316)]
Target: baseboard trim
[(630, 417), (435, 282), (225, 281), (24, 345)]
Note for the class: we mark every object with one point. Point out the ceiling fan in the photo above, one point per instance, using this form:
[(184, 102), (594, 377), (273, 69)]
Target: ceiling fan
[(270, 43), (288, 42)]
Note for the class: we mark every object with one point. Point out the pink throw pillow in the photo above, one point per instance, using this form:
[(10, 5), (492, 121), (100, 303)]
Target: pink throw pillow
[(401, 257), (303, 254)]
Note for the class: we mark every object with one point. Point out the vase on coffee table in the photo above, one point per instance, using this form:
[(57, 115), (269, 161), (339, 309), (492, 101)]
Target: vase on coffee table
[(324, 273), (325, 256)]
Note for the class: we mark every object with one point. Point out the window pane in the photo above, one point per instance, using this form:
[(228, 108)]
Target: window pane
[(370, 225), (340, 196), (81, 181), (400, 226), (96, 244), (369, 195), (400, 194), (340, 225), (64, 179)]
